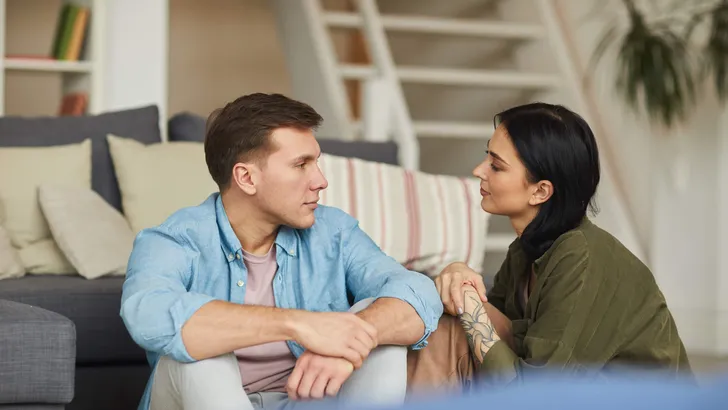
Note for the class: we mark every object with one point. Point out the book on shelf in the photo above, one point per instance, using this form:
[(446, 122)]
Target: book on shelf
[(73, 104), (72, 26)]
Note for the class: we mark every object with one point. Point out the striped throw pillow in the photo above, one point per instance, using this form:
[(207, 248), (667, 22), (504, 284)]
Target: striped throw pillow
[(423, 221)]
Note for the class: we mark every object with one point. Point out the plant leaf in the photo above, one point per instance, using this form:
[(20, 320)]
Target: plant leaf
[(716, 50), (655, 71)]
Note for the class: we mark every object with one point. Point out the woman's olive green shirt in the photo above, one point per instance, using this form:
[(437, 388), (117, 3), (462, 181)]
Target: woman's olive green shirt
[(594, 308)]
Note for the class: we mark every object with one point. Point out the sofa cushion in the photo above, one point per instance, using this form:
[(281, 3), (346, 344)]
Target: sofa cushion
[(11, 266), (190, 127), (93, 235), (141, 124), (22, 171), (37, 355), (186, 126), (423, 221), (157, 180), (384, 152), (93, 305)]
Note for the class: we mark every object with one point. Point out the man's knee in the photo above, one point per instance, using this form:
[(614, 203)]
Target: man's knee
[(383, 376), (224, 365), (215, 381)]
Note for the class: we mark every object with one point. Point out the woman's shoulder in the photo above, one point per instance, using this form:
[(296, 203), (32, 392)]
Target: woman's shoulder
[(590, 241), (595, 247)]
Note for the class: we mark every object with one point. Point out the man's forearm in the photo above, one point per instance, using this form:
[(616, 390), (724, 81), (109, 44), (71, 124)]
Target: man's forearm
[(479, 328), (396, 321), (220, 327)]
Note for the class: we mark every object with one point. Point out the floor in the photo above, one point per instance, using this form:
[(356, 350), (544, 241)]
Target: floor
[(706, 367)]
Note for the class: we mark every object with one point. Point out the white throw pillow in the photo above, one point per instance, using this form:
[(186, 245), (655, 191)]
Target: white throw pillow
[(92, 234), (22, 171), (159, 179), (423, 221)]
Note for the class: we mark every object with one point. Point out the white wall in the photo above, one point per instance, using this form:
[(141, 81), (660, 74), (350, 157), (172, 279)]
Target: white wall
[(674, 182), (136, 57), (721, 288)]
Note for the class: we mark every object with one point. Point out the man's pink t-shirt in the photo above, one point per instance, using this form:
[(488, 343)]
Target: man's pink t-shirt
[(265, 367)]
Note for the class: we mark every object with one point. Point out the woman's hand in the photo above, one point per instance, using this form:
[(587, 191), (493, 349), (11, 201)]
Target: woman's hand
[(451, 286)]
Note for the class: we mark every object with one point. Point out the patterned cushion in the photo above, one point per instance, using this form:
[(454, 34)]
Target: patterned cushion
[(424, 221)]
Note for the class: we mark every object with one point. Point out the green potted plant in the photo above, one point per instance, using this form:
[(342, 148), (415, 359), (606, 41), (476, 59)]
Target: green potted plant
[(661, 62)]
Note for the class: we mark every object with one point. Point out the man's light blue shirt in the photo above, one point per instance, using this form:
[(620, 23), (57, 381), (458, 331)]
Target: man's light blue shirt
[(194, 257)]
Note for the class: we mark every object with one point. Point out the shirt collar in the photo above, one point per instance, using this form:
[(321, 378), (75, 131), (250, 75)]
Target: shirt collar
[(287, 238), (517, 252)]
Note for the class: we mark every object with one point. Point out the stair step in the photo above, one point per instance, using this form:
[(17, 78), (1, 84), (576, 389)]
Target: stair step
[(450, 76), (453, 129), (462, 27)]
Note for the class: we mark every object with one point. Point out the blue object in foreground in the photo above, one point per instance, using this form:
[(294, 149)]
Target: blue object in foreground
[(631, 392)]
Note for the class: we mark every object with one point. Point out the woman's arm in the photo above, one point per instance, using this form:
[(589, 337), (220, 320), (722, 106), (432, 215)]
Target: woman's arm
[(566, 304), (454, 280), (501, 323), (479, 328)]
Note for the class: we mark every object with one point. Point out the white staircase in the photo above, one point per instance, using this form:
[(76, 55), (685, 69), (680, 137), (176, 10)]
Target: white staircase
[(306, 27)]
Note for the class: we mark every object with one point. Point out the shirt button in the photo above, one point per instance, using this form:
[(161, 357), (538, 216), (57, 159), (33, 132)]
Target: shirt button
[(293, 252), (230, 257), (237, 256), (241, 283)]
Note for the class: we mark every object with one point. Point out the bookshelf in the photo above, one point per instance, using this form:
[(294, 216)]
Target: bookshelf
[(79, 68)]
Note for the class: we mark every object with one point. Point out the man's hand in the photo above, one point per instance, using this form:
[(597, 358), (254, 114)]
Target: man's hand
[(342, 335), (316, 376), (451, 284)]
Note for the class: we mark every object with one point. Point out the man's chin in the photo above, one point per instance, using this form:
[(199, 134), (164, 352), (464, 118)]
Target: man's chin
[(304, 222)]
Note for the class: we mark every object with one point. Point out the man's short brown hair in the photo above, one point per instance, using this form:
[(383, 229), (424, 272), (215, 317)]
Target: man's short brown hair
[(240, 130)]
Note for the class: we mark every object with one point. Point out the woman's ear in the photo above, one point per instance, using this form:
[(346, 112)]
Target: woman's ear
[(544, 190)]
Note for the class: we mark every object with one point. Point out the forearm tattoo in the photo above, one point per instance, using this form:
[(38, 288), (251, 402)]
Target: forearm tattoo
[(479, 329)]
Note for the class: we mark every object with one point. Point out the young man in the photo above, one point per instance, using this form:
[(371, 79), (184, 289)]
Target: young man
[(246, 300)]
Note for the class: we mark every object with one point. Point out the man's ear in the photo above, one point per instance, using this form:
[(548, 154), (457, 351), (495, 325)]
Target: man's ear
[(544, 190), (243, 177)]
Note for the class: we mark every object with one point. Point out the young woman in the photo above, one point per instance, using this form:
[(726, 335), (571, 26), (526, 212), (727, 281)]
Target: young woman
[(569, 297)]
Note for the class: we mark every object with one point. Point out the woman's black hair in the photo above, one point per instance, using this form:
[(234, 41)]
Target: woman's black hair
[(557, 145)]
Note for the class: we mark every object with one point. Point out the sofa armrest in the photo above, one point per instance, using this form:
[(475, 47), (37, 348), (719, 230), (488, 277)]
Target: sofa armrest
[(37, 355)]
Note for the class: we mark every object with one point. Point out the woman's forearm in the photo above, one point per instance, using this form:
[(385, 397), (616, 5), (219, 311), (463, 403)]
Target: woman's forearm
[(502, 324), (479, 328)]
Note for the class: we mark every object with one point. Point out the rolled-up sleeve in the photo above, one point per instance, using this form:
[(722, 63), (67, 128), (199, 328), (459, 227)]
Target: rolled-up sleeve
[(155, 302), (372, 273), (552, 341)]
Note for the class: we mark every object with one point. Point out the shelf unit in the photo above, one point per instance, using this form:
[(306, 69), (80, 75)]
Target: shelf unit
[(85, 75)]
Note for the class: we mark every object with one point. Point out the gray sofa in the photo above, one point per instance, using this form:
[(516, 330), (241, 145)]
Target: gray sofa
[(110, 369)]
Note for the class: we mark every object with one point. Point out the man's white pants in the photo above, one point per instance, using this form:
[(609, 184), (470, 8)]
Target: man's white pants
[(216, 384)]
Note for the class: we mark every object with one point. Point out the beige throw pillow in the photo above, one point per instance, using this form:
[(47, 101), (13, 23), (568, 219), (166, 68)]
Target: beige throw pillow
[(45, 258), (11, 266), (157, 180), (92, 234), (22, 171)]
